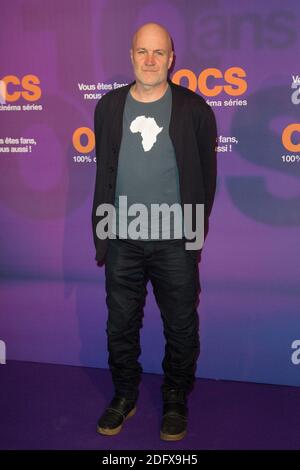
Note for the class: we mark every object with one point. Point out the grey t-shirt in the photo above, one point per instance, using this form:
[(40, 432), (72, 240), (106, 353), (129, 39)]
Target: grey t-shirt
[(147, 168)]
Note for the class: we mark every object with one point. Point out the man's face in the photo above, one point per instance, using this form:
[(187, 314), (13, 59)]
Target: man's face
[(151, 56)]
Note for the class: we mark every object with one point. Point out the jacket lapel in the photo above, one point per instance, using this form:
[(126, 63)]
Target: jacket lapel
[(175, 128)]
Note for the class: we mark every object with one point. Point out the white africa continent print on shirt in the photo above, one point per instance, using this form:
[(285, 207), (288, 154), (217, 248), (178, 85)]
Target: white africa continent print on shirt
[(149, 130)]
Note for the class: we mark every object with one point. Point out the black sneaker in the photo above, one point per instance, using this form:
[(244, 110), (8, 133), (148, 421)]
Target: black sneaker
[(112, 420), (175, 415)]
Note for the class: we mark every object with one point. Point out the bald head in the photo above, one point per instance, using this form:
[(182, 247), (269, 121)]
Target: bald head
[(154, 31), (151, 56)]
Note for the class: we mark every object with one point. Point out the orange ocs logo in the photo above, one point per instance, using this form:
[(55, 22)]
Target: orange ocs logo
[(26, 87), (287, 136), (89, 136), (234, 83)]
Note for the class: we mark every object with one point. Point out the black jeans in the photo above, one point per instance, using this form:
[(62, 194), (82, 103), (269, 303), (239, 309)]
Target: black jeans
[(173, 272)]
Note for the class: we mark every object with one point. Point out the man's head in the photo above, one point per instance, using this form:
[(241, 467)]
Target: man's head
[(151, 54)]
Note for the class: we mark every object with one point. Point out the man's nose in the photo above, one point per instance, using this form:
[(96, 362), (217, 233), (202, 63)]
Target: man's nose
[(150, 60)]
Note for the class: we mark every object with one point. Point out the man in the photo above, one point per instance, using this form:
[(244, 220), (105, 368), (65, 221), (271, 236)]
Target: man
[(155, 143)]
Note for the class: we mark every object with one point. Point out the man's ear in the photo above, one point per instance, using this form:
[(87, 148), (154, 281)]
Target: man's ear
[(131, 54)]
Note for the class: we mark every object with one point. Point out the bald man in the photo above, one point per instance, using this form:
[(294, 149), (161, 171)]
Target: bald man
[(155, 145)]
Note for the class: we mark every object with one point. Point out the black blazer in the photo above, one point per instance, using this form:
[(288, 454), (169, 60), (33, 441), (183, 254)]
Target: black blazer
[(193, 134)]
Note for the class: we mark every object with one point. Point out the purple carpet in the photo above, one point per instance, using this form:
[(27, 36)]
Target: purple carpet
[(46, 406)]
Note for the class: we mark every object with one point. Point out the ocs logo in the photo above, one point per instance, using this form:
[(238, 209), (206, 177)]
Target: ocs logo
[(26, 87), (288, 137), (295, 357), (89, 136), (212, 81)]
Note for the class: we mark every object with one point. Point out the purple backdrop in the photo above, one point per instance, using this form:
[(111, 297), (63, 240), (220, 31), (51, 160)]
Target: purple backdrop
[(52, 293)]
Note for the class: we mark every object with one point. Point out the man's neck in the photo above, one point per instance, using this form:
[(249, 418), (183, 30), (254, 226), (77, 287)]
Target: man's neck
[(148, 94)]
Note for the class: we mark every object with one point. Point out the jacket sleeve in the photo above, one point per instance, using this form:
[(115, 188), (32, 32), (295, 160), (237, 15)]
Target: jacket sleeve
[(207, 141), (98, 126)]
